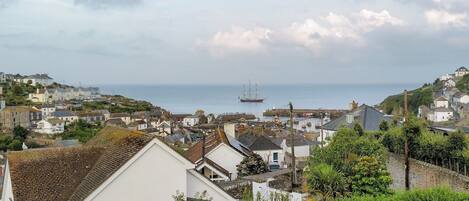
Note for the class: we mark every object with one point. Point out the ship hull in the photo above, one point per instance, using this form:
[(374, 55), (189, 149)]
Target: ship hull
[(251, 100)]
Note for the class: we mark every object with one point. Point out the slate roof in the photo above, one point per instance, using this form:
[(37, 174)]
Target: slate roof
[(368, 117), (462, 69), (258, 143), (194, 153), (63, 113)]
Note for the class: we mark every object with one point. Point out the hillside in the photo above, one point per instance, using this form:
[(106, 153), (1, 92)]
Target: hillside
[(421, 96), (463, 84)]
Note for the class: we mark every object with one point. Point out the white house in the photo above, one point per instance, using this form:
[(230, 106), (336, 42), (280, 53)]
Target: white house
[(42, 79), (136, 167), (368, 117), (65, 115), (446, 77), (217, 156), (441, 102), (50, 126), (164, 127), (449, 83), (190, 120), (461, 72), (440, 115), (461, 98), (123, 116), (272, 153)]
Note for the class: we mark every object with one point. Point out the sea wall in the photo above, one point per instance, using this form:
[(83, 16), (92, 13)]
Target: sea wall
[(424, 175)]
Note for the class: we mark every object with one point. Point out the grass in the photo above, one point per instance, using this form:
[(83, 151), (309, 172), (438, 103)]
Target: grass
[(435, 194)]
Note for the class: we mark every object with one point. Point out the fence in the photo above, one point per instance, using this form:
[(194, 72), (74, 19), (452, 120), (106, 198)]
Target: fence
[(266, 193)]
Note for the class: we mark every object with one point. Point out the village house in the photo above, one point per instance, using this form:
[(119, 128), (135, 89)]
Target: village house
[(449, 83), (138, 125), (115, 122), (12, 116), (423, 111), (65, 115), (42, 79), (46, 110), (446, 77), (440, 115), (368, 117), (49, 95), (164, 127), (190, 120), (461, 98), (91, 117), (217, 156), (179, 117), (3, 77), (50, 126), (272, 153), (35, 115), (441, 102), (117, 165), (461, 72), (122, 116)]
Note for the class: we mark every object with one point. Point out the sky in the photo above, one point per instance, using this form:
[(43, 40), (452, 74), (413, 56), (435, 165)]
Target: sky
[(230, 42)]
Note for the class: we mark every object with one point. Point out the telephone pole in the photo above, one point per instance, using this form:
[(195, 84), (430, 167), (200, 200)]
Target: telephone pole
[(322, 134), (293, 159), (406, 145)]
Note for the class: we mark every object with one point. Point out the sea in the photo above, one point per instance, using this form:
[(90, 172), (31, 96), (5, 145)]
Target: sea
[(219, 99)]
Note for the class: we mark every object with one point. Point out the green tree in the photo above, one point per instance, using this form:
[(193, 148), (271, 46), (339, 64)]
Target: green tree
[(358, 128), (324, 180), (457, 142), (20, 132), (384, 126), (252, 165), (370, 177), (15, 145)]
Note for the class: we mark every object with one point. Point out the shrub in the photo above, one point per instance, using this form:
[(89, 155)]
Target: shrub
[(252, 165)]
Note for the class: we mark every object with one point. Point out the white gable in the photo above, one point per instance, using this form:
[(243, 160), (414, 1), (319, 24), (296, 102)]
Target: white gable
[(153, 175), (226, 157)]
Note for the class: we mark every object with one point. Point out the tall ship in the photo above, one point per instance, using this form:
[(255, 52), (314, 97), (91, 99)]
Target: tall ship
[(250, 97)]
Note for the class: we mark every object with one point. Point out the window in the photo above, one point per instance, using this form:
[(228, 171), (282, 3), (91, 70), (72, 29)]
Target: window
[(275, 156)]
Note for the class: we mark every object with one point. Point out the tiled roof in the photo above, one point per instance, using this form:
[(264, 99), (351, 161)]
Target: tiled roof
[(73, 173), (118, 115), (16, 109), (50, 174), (109, 163), (63, 113), (441, 98)]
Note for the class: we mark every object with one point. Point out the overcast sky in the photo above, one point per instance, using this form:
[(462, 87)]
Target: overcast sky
[(230, 42)]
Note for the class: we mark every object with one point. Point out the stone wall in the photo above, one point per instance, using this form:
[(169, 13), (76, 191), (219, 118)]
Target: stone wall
[(424, 175)]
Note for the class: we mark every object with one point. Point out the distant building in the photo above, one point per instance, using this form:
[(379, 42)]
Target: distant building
[(46, 110), (449, 83), (446, 77), (190, 120), (12, 116), (3, 77), (440, 115), (50, 126), (122, 116), (461, 98), (441, 102), (91, 117), (461, 72), (48, 95), (368, 117), (65, 115), (42, 79)]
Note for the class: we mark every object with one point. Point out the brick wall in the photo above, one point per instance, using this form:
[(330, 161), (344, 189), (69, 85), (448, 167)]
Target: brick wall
[(424, 175)]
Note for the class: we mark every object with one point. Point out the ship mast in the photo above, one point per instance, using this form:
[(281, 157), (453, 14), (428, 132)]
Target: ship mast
[(249, 92)]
